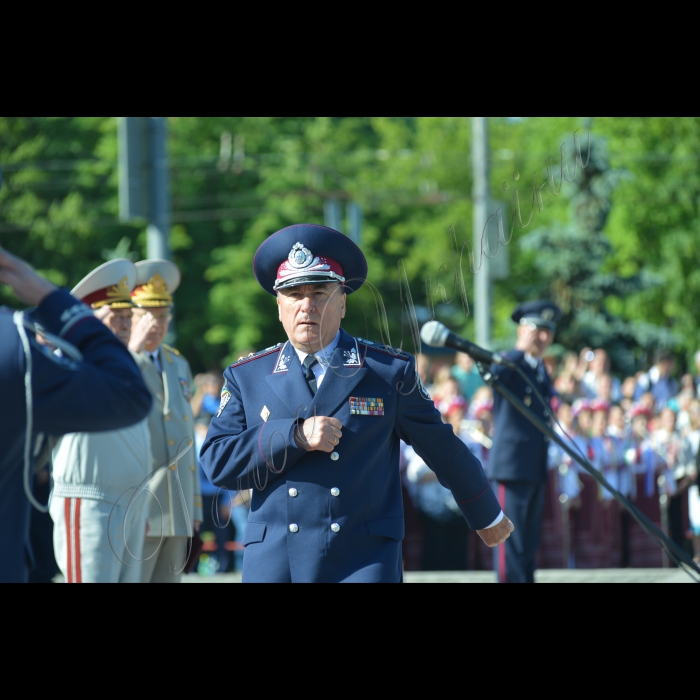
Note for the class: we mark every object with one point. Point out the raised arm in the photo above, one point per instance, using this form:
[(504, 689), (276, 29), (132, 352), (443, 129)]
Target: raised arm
[(102, 392)]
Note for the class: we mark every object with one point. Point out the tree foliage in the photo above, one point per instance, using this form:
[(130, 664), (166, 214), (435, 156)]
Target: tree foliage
[(616, 244)]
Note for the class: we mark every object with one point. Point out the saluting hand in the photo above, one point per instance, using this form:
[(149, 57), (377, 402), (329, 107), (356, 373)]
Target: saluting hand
[(27, 284), (493, 536), (140, 331), (527, 338), (319, 433)]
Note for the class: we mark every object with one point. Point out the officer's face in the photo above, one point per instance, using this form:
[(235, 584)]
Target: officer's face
[(540, 340), (311, 314), (119, 322), (159, 326)]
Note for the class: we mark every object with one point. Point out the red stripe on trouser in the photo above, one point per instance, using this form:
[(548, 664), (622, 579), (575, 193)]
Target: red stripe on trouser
[(502, 547), (69, 562), (76, 530)]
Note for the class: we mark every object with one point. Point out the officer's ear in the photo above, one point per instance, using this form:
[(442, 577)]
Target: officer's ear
[(342, 305), (279, 308)]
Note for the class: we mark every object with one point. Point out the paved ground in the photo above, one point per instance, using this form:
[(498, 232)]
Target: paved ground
[(542, 576)]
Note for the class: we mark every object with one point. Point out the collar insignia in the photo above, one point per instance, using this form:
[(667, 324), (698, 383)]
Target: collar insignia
[(352, 357), (282, 362)]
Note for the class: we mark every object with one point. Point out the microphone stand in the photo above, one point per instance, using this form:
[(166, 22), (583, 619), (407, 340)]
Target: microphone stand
[(648, 526)]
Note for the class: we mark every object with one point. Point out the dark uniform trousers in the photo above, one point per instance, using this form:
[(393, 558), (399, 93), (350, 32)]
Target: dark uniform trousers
[(320, 517), (514, 560), (518, 468)]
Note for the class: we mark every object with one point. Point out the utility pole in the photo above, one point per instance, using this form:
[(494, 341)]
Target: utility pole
[(331, 214), (159, 225), (144, 187), (480, 201), (354, 217), (144, 183)]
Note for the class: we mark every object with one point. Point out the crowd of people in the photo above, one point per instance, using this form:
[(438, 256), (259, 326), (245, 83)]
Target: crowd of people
[(225, 513), (642, 432), (195, 445)]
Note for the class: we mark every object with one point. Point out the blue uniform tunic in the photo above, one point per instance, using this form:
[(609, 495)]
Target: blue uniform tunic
[(320, 517), (519, 451), (518, 463), (104, 392)]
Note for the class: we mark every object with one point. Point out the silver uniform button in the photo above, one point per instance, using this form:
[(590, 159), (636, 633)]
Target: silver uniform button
[(293, 528), (293, 493), (335, 491), (335, 527), (335, 456)]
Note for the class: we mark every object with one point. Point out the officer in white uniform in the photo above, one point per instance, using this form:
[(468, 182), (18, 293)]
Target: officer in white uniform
[(175, 511), (99, 518)]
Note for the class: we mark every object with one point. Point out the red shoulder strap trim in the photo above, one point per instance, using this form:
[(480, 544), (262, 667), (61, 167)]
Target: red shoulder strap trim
[(262, 353)]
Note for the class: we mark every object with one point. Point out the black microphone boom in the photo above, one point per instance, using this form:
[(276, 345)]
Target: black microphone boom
[(438, 335)]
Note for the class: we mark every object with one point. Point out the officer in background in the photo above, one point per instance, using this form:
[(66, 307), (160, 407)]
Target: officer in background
[(94, 385), (518, 460), (314, 425), (99, 519), (175, 511)]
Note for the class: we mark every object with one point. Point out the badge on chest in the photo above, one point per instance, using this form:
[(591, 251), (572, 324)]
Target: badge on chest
[(366, 407)]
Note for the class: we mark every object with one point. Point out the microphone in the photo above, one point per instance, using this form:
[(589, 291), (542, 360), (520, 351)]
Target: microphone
[(438, 335)]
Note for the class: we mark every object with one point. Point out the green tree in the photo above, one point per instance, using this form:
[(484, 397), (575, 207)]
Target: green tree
[(573, 266)]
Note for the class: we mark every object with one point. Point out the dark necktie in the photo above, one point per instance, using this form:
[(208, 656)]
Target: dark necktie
[(153, 360), (309, 362)]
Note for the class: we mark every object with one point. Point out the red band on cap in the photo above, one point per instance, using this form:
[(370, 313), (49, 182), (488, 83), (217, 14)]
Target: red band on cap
[(321, 266), (102, 295)]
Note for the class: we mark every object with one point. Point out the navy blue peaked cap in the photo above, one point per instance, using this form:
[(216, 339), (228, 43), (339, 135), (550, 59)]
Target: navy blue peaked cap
[(543, 313), (308, 254)]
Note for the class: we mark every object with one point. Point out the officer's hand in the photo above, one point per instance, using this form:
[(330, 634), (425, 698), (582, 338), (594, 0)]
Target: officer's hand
[(139, 332), (319, 433), (28, 285), (102, 313), (493, 536), (527, 337)]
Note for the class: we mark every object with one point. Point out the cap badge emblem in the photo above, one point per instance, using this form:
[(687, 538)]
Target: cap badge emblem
[(120, 290), (548, 314), (300, 257)]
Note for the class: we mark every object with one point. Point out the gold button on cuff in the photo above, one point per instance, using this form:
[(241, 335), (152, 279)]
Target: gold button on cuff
[(171, 442)]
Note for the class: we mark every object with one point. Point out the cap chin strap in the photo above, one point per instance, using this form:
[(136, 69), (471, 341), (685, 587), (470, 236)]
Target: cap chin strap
[(537, 322), (298, 280)]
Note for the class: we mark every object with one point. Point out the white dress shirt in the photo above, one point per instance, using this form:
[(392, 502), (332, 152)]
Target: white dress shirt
[(323, 356)]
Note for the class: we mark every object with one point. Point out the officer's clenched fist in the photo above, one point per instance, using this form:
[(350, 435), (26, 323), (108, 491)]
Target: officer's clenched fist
[(493, 536), (318, 433)]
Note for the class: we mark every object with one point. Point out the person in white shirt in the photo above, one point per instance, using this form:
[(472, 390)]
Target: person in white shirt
[(97, 507)]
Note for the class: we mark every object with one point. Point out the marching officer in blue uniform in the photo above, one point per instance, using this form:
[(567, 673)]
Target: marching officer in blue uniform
[(518, 460), (93, 385), (313, 426)]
